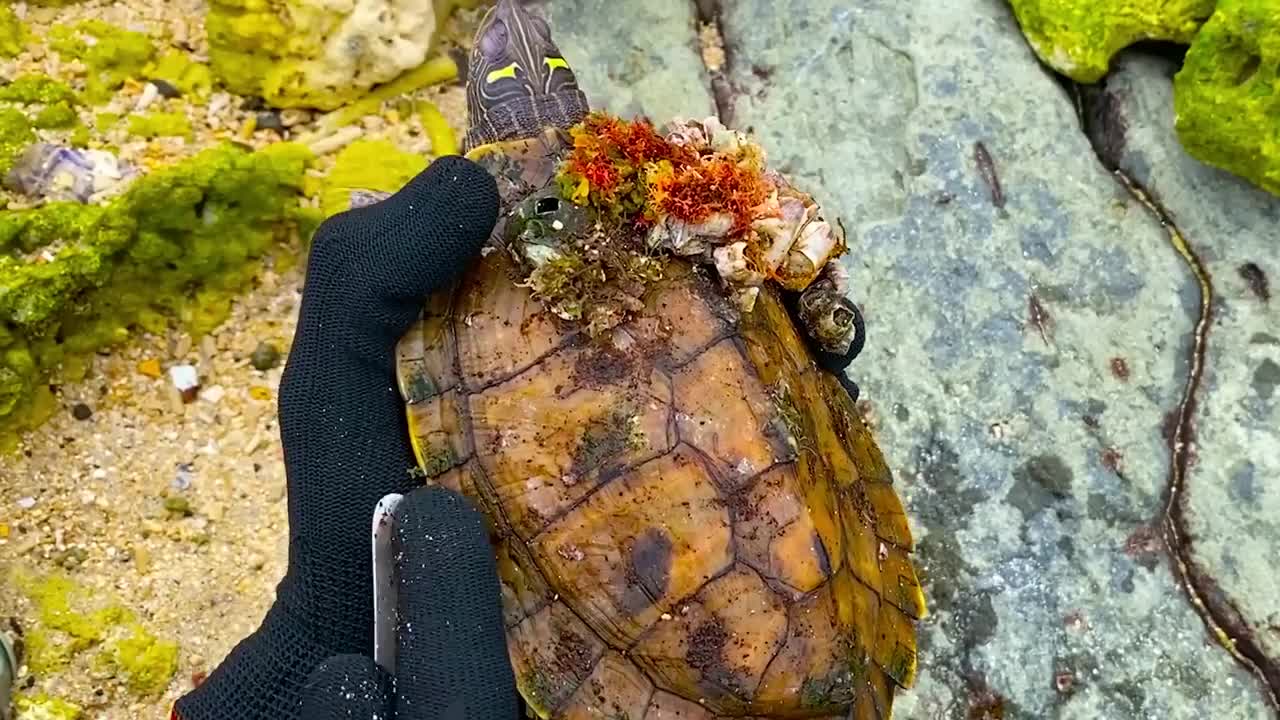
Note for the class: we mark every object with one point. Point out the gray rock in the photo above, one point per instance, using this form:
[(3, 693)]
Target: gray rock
[(1025, 344), (1233, 503), (633, 58), (1029, 453)]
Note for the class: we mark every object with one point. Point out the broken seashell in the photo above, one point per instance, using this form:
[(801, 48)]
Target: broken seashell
[(55, 172)]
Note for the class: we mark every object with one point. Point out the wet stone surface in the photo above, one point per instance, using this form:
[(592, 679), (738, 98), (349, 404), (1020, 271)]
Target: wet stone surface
[(638, 59), (1233, 505), (1028, 326)]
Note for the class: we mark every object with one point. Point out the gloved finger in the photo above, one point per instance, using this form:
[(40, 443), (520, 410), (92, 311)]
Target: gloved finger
[(346, 687), (451, 661), (342, 421), (391, 254)]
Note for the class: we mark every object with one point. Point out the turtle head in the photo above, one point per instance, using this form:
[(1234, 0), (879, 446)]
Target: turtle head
[(517, 81)]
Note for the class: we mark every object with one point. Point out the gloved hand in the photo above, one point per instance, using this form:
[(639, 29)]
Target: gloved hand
[(441, 627), (345, 446)]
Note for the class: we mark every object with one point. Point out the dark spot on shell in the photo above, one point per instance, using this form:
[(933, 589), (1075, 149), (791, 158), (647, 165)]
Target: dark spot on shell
[(648, 570), (706, 654), (1256, 280)]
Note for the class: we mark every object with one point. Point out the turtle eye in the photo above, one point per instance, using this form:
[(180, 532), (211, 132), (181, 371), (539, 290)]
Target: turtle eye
[(493, 44)]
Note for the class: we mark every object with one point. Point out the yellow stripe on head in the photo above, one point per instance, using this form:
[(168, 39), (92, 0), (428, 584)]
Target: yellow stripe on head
[(502, 72), (555, 62)]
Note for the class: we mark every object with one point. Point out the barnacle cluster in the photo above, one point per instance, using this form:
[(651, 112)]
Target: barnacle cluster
[(695, 189)]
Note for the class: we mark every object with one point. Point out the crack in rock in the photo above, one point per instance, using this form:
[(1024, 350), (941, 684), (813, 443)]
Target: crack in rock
[(1105, 127)]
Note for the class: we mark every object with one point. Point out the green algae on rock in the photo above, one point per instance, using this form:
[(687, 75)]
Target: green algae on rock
[(13, 34), (15, 135), (367, 165), (110, 54), (306, 53), (160, 124), (1079, 37), (178, 244), (1227, 94), (192, 78), (72, 621), (42, 706)]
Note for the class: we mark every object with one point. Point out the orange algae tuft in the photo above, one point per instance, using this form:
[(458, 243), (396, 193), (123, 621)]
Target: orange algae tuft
[(627, 169)]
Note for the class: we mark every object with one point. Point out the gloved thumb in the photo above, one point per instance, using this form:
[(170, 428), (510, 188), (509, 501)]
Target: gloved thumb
[(346, 687), (451, 655)]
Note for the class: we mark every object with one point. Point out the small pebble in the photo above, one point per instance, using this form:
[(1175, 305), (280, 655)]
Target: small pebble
[(183, 477), (269, 121), (150, 368), (80, 411), (165, 88), (186, 380), (258, 392), (26, 503), (265, 356), (213, 393)]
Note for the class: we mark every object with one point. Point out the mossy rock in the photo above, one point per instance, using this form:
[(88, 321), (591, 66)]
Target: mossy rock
[(13, 33), (72, 620), (1227, 95), (1079, 37), (303, 53), (179, 244)]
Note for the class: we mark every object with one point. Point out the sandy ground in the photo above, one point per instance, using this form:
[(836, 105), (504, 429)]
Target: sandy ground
[(175, 511)]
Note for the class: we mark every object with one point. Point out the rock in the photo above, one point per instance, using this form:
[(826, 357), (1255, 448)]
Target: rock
[(268, 121), (647, 63), (1232, 512), (1078, 37), (80, 411), (317, 54), (980, 316), (1227, 95)]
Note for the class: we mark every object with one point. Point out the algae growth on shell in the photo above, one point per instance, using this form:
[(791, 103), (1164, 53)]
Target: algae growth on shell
[(627, 197)]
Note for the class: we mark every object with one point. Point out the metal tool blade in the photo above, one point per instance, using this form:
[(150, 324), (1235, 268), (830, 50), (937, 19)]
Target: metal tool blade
[(385, 583)]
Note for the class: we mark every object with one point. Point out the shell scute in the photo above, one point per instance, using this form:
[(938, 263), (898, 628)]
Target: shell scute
[(640, 544)]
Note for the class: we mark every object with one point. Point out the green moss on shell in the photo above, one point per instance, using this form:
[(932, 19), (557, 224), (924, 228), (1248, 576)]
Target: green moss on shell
[(1079, 37), (178, 245), (1227, 94)]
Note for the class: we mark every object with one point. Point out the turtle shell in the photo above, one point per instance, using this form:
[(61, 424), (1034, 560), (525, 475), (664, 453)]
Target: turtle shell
[(691, 519)]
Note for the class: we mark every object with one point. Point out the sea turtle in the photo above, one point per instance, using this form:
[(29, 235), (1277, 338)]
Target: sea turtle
[(691, 517)]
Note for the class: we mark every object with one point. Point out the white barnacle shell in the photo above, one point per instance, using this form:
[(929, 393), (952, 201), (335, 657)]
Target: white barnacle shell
[(731, 263)]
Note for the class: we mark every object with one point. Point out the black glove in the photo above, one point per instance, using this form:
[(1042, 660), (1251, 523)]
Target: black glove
[(346, 445), (451, 658)]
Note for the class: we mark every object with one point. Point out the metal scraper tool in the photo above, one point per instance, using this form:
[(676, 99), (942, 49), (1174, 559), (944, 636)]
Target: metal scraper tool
[(385, 583)]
